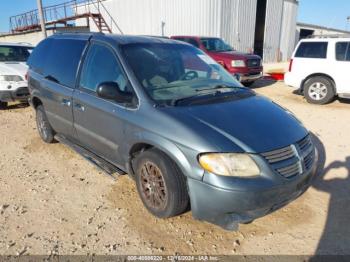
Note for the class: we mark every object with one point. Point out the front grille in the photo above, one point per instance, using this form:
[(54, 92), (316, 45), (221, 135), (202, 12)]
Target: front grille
[(22, 92), (256, 62), (292, 160), (279, 155), (291, 170)]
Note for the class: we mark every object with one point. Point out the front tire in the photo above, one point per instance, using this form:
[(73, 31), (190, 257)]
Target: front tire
[(160, 184), (3, 105), (319, 90), (45, 130), (248, 84)]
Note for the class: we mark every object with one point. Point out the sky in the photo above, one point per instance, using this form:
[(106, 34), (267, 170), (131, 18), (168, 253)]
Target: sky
[(329, 13)]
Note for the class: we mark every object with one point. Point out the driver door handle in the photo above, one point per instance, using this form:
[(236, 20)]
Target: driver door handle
[(66, 102), (79, 107)]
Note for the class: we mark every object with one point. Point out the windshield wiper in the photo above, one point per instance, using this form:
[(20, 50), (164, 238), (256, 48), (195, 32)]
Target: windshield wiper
[(179, 100), (220, 87)]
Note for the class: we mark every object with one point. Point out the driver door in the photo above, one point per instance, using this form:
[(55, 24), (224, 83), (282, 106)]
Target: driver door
[(100, 123)]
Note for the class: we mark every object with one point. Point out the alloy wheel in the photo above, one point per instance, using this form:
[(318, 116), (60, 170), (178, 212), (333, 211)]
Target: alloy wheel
[(318, 91), (41, 125), (153, 186)]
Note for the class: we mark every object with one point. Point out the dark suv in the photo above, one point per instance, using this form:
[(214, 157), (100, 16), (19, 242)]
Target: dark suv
[(173, 119)]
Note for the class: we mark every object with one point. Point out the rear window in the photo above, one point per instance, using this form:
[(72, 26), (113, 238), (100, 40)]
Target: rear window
[(14, 53), (58, 59), (189, 41), (342, 50), (312, 50)]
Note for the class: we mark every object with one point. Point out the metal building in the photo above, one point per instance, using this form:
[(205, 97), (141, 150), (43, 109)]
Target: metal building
[(266, 27)]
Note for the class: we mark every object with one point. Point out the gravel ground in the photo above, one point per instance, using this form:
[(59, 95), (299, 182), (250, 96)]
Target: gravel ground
[(52, 201)]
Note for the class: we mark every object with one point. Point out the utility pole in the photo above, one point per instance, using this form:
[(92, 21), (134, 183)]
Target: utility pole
[(41, 17), (347, 24)]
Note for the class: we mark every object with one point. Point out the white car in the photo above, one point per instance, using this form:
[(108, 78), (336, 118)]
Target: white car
[(319, 68), (13, 69)]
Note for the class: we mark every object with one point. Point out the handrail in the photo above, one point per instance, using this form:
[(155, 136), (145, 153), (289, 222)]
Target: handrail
[(60, 13)]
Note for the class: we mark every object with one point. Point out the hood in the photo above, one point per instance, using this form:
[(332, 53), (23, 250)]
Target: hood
[(235, 55), (255, 124), (13, 68)]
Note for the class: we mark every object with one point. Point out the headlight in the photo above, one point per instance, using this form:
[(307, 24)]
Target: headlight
[(238, 63), (231, 164), (11, 78)]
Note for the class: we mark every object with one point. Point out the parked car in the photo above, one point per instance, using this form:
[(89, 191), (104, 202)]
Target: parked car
[(13, 68), (319, 68), (245, 67), (173, 119)]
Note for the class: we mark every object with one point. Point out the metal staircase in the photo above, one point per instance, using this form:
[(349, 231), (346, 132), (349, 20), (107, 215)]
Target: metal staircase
[(66, 13), (101, 23)]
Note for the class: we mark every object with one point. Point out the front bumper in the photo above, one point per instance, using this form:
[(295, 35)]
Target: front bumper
[(229, 207), (249, 77), (291, 80), (20, 94)]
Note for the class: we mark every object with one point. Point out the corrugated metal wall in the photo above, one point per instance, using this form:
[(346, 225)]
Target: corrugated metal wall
[(238, 23), (194, 17), (289, 31), (273, 25), (233, 20)]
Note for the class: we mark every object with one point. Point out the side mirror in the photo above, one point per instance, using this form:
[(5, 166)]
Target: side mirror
[(111, 91)]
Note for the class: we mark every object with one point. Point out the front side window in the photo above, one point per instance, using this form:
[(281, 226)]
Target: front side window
[(14, 53), (101, 66), (342, 50), (312, 50), (169, 72), (215, 45)]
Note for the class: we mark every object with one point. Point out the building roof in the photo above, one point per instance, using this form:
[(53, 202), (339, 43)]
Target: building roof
[(299, 24)]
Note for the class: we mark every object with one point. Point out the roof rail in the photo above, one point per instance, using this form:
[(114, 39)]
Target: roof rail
[(329, 36)]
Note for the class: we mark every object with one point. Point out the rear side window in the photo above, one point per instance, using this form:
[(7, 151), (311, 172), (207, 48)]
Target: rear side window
[(312, 50), (37, 59), (63, 61), (342, 50)]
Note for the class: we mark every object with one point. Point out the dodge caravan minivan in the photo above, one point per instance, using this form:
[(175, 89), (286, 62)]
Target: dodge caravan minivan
[(178, 123)]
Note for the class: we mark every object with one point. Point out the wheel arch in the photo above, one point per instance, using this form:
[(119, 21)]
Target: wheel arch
[(168, 148), (318, 75), (36, 102)]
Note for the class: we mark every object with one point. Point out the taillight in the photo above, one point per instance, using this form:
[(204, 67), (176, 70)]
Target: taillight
[(290, 65)]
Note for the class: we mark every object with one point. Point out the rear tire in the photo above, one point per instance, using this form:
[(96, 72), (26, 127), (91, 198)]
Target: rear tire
[(319, 90), (3, 105), (160, 184), (45, 130)]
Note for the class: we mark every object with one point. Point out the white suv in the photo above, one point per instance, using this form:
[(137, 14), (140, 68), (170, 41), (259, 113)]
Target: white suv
[(13, 68), (319, 68)]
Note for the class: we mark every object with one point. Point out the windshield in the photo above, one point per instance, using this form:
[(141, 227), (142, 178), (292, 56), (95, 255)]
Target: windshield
[(169, 72), (216, 45), (15, 53)]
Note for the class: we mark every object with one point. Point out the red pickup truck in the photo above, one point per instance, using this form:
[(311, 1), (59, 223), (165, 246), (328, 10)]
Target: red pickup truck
[(246, 67)]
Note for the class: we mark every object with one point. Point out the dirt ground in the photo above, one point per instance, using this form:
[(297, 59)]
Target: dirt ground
[(52, 201)]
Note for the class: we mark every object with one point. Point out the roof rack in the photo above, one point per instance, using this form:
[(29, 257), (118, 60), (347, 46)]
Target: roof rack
[(329, 36)]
